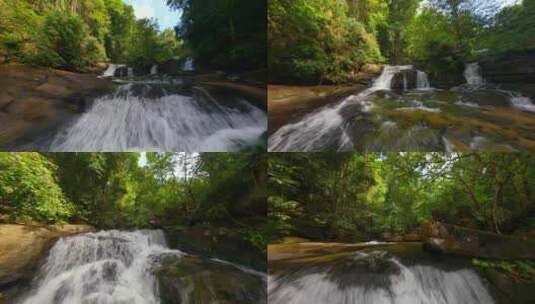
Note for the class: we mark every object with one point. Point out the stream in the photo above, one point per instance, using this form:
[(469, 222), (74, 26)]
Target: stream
[(372, 274), (118, 267), (158, 113), (401, 111)]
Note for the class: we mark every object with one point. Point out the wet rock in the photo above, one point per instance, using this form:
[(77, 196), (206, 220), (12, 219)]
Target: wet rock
[(121, 72), (404, 80), (433, 230), (487, 98), (225, 243), (34, 100), (22, 246), (192, 280), (476, 243), (412, 237)]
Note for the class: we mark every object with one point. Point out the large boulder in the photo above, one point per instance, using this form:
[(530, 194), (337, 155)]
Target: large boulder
[(22, 246), (192, 280)]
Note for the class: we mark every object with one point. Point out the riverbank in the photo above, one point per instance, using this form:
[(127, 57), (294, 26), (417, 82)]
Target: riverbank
[(37, 100)]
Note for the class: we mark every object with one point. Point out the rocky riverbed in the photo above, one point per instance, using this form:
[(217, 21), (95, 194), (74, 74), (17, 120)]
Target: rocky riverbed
[(36, 100)]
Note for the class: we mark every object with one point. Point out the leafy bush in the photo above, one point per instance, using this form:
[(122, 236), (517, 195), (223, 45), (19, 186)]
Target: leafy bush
[(29, 190), (312, 41)]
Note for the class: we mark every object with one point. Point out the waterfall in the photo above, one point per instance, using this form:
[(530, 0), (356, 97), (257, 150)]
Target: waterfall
[(472, 74), (154, 69), (523, 103), (142, 117), (108, 267), (188, 65), (422, 82), (324, 128), (384, 81), (130, 72), (406, 284), (519, 101), (110, 71)]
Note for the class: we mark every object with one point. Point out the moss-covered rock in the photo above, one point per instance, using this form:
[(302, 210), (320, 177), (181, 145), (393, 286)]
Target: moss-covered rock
[(192, 280)]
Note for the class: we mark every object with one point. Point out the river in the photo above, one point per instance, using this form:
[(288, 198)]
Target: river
[(414, 116), (373, 273), (158, 113), (120, 267)]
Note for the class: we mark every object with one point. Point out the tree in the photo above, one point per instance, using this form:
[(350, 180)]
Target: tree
[(226, 34), (29, 189)]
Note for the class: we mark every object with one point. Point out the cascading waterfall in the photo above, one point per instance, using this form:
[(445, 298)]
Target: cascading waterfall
[(188, 65), (154, 69), (325, 127), (422, 82), (130, 72), (408, 284), (474, 79), (133, 119), (472, 74), (519, 101), (108, 267), (110, 71)]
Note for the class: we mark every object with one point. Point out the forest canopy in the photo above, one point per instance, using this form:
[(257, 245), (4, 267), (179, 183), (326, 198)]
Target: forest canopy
[(331, 40), (132, 190), (355, 197), (77, 34), (228, 34)]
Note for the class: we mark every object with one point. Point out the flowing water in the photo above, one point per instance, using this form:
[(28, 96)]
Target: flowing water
[(472, 74), (158, 114), (410, 115), (373, 276), (154, 69), (110, 71), (188, 65), (109, 267)]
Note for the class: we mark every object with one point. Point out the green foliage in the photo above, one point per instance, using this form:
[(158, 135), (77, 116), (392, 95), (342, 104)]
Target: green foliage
[(355, 197), (65, 36), (312, 41), (29, 190), (228, 34), (321, 195), (75, 35), (518, 271), (513, 28)]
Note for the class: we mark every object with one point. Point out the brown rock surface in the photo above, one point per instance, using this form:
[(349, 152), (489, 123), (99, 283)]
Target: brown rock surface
[(22, 246), (33, 99)]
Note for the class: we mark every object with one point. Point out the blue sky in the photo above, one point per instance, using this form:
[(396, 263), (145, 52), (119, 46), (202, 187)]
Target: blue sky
[(155, 9)]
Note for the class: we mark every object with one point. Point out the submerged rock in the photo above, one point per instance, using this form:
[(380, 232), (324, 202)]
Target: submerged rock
[(192, 280)]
